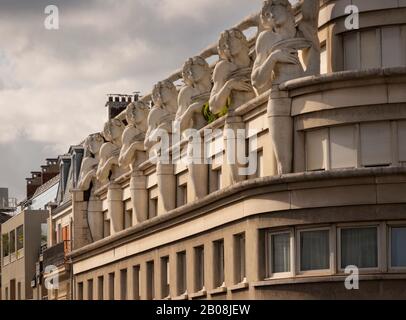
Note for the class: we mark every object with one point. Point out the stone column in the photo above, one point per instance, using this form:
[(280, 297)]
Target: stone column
[(166, 187), (281, 128), (81, 232), (115, 208), (95, 217), (234, 143), (139, 196), (198, 180)]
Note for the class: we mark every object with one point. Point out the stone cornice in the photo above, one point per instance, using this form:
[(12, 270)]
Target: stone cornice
[(225, 197)]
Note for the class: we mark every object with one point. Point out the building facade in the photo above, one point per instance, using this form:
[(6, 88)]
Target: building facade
[(328, 192), (274, 173)]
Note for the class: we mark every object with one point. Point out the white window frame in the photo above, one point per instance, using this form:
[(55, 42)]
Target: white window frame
[(328, 271), (378, 243), (390, 226), (269, 272)]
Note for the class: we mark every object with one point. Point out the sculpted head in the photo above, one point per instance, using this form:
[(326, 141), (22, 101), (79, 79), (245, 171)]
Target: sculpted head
[(281, 13), (164, 94), (266, 15), (137, 114), (194, 70), (92, 144), (231, 43), (113, 130)]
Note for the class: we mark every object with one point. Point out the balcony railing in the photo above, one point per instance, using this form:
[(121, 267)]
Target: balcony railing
[(55, 255)]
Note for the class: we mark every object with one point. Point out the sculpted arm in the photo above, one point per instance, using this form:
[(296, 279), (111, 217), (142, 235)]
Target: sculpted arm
[(130, 146), (87, 174), (107, 160), (221, 89), (264, 64)]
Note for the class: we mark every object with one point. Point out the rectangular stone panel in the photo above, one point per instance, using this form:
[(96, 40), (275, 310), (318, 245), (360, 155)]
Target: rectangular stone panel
[(343, 148), (370, 49), (391, 50), (376, 143), (316, 149), (402, 140)]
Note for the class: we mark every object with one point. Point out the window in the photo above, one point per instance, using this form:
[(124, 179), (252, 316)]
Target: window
[(181, 272), (152, 204), (359, 247), (199, 268), (181, 195), (20, 237), (218, 261), (106, 225), (323, 59), (398, 244), (165, 276), (12, 241), (111, 286), (58, 233), (44, 233), (239, 256), (19, 297), (314, 250), (6, 245), (100, 288), (150, 281), (136, 282), (90, 289), (215, 179), (279, 253), (80, 291), (66, 239), (123, 284), (128, 218)]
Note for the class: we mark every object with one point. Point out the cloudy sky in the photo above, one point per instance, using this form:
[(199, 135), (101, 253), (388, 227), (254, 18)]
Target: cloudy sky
[(53, 84)]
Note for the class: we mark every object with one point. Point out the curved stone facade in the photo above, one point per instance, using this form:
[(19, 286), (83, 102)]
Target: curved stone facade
[(328, 191)]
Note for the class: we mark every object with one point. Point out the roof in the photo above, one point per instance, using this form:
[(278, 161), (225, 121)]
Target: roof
[(46, 186), (4, 217)]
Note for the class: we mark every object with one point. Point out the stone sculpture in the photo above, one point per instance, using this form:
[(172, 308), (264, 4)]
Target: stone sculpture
[(109, 170), (277, 60), (232, 86), (193, 97), (132, 154), (160, 120), (88, 182)]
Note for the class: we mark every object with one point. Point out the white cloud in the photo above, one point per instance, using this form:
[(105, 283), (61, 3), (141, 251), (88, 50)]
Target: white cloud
[(53, 84)]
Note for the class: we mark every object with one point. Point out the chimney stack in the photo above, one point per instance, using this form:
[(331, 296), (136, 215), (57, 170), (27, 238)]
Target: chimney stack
[(33, 183)]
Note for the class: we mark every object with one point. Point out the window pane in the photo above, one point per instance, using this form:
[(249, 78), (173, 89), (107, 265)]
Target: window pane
[(359, 247), (20, 237), (398, 247), (12, 241), (280, 252), (314, 250)]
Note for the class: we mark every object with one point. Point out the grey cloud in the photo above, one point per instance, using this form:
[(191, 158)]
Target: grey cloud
[(56, 81)]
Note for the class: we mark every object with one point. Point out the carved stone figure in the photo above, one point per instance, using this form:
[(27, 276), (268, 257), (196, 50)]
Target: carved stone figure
[(163, 113), (232, 84), (277, 60), (108, 170), (134, 135), (110, 151), (160, 119), (132, 154), (88, 182), (92, 146), (194, 95)]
